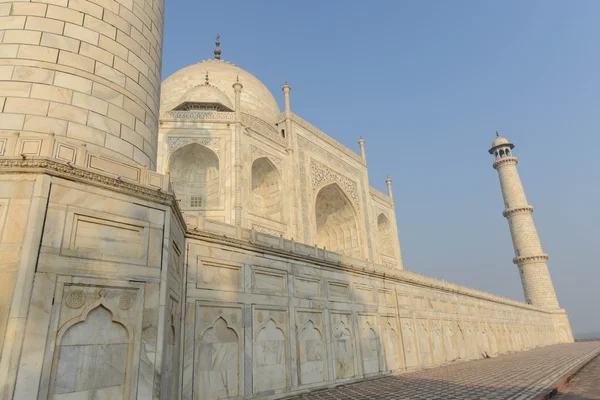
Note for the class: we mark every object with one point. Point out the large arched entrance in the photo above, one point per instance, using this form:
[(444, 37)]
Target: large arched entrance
[(195, 177), (336, 222)]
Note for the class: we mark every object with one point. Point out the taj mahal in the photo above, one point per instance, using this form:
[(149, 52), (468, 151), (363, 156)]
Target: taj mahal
[(190, 240)]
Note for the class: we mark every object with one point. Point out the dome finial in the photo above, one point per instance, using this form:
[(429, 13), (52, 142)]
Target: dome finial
[(497, 135), (217, 49)]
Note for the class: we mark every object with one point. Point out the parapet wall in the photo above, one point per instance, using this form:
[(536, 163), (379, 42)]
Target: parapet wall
[(300, 317)]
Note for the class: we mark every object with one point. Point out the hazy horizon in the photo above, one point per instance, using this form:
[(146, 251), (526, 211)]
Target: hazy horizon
[(426, 84)]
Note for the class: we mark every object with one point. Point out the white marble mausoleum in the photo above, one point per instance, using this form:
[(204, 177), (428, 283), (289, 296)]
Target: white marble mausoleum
[(190, 240)]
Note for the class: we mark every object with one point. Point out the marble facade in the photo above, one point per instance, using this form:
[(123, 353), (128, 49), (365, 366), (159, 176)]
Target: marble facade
[(200, 244)]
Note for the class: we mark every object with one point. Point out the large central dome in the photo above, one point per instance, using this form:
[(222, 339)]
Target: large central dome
[(256, 99)]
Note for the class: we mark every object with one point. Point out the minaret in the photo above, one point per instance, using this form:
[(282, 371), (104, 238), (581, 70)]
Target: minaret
[(529, 255)]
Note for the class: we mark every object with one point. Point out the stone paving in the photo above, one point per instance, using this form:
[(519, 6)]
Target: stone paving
[(516, 376), (585, 385)]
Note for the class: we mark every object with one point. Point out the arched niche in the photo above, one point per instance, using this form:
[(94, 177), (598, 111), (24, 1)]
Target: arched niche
[(217, 355), (266, 189), (92, 358), (196, 178), (336, 222), (384, 229)]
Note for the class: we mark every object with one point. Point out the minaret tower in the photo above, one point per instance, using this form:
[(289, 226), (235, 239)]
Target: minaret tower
[(529, 255)]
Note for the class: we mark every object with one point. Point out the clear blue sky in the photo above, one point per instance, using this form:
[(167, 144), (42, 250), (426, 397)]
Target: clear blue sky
[(427, 83)]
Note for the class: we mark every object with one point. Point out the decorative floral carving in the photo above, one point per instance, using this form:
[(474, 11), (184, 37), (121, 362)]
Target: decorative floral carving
[(125, 301), (320, 175), (176, 142), (198, 115), (75, 299), (256, 152)]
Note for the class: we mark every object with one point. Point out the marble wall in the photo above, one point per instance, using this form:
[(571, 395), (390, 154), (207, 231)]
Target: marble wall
[(112, 295), (263, 324)]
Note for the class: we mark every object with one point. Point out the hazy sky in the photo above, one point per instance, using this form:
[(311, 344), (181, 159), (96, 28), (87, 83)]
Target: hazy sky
[(427, 83)]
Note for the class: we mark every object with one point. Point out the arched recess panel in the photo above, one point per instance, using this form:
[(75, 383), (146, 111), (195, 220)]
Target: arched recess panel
[(369, 343), (196, 178), (266, 189), (343, 345), (336, 222), (218, 353), (270, 351), (312, 358), (384, 229), (91, 359), (391, 341)]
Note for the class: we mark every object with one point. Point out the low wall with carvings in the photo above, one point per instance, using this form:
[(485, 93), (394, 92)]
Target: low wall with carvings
[(266, 316)]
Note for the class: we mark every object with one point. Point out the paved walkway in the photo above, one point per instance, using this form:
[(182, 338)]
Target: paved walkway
[(585, 385), (517, 376)]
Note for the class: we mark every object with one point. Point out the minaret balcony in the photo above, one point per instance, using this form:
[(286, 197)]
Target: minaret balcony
[(518, 210), (538, 258), (505, 161)]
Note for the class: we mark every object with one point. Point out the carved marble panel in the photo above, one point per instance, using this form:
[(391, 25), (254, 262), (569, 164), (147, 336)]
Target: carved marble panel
[(338, 290), (437, 343), (363, 294), (97, 237), (409, 342), (343, 345), (386, 297), (270, 371), (403, 300), (94, 353), (424, 342), (269, 281), (213, 274), (369, 343), (391, 343), (307, 287), (218, 353), (449, 341), (312, 355)]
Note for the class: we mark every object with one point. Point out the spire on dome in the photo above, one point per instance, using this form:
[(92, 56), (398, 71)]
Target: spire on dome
[(217, 49), (497, 135)]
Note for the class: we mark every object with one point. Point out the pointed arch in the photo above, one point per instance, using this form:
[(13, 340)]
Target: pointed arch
[(92, 356), (266, 189), (217, 354), (195, 173), (385, 231), (337, 227)]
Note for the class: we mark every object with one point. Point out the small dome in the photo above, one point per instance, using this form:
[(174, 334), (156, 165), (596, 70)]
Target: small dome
[(206, 94), (256, 99), (499, 141)]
